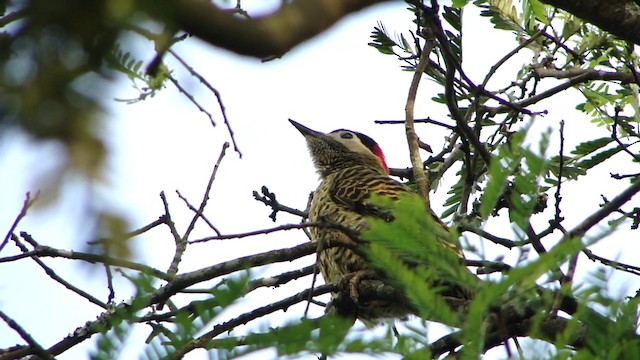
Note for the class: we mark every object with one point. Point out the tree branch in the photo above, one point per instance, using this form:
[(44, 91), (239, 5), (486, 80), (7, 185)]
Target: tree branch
[(619, 17), (28, 201), (34, 346), (412, 138), (263, 37)]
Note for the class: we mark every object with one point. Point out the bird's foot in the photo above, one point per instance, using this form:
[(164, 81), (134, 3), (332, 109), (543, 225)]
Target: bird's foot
[(353, 282)]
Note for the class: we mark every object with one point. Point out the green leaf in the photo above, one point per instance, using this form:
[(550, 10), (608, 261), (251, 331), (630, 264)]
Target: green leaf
[(381, 40), (414, 248), (453, 16), (503, 15), (459, 3), (501, 167), (599, 158), (522, 279), (534, 10), (453, 201), (590, 146)]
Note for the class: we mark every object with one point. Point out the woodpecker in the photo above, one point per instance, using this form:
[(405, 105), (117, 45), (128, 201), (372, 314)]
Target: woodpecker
[(351, 166)]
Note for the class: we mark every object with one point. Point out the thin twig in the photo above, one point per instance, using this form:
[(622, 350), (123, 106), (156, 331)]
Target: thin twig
[(46, 251), (509, 55), (584, 76), (416, 121), (614, 135), (202, 216), (112, 293), (207, 191), (52, 274), (192, 99), (217, 95), (452, 66), (172, 226), (635, 270), (271, 281), (269, 199), (161, 220), (167, 218), (35, 347), (509, 244), (23, 212), (558, 219), (259, 232), (181, 244)]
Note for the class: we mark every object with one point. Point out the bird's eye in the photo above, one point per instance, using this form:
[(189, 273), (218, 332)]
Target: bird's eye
[(346, 135)]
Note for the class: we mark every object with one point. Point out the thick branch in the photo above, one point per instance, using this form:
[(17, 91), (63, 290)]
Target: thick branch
[(619, 17), (262, 37)]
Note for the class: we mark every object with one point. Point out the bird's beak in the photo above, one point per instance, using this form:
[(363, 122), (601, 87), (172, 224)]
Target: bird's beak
[(305, 130)]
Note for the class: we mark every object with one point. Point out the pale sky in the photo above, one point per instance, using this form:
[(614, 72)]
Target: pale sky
[(333, 81)]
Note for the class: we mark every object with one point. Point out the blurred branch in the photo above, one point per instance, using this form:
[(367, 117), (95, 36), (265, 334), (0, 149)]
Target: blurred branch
[(11, 17), (28, 201), (263, 37), (216, 93), (619, 17), (191, 98)]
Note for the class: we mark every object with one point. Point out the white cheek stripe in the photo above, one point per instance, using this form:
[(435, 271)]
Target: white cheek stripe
[(353, 144)]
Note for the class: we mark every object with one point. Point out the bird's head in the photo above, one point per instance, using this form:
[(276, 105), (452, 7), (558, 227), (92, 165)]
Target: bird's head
[(341, 149)]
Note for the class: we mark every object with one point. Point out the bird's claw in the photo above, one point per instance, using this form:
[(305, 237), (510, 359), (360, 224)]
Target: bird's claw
[(353, 282)]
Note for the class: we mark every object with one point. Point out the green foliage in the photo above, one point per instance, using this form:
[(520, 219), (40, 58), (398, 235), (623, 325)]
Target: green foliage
[(453, 16), (452, 203), (533, 10), (109, 344), (505, 165), (114, 332), (410, 250), (193, 318), (502, 14), (584, 157), (415, 247), (125, 63), (382, 41)]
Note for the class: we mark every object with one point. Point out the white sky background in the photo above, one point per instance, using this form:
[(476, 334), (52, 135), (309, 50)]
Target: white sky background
[(333, 81)]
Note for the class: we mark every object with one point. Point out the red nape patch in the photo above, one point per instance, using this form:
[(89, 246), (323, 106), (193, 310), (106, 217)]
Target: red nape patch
[(378, 152)]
